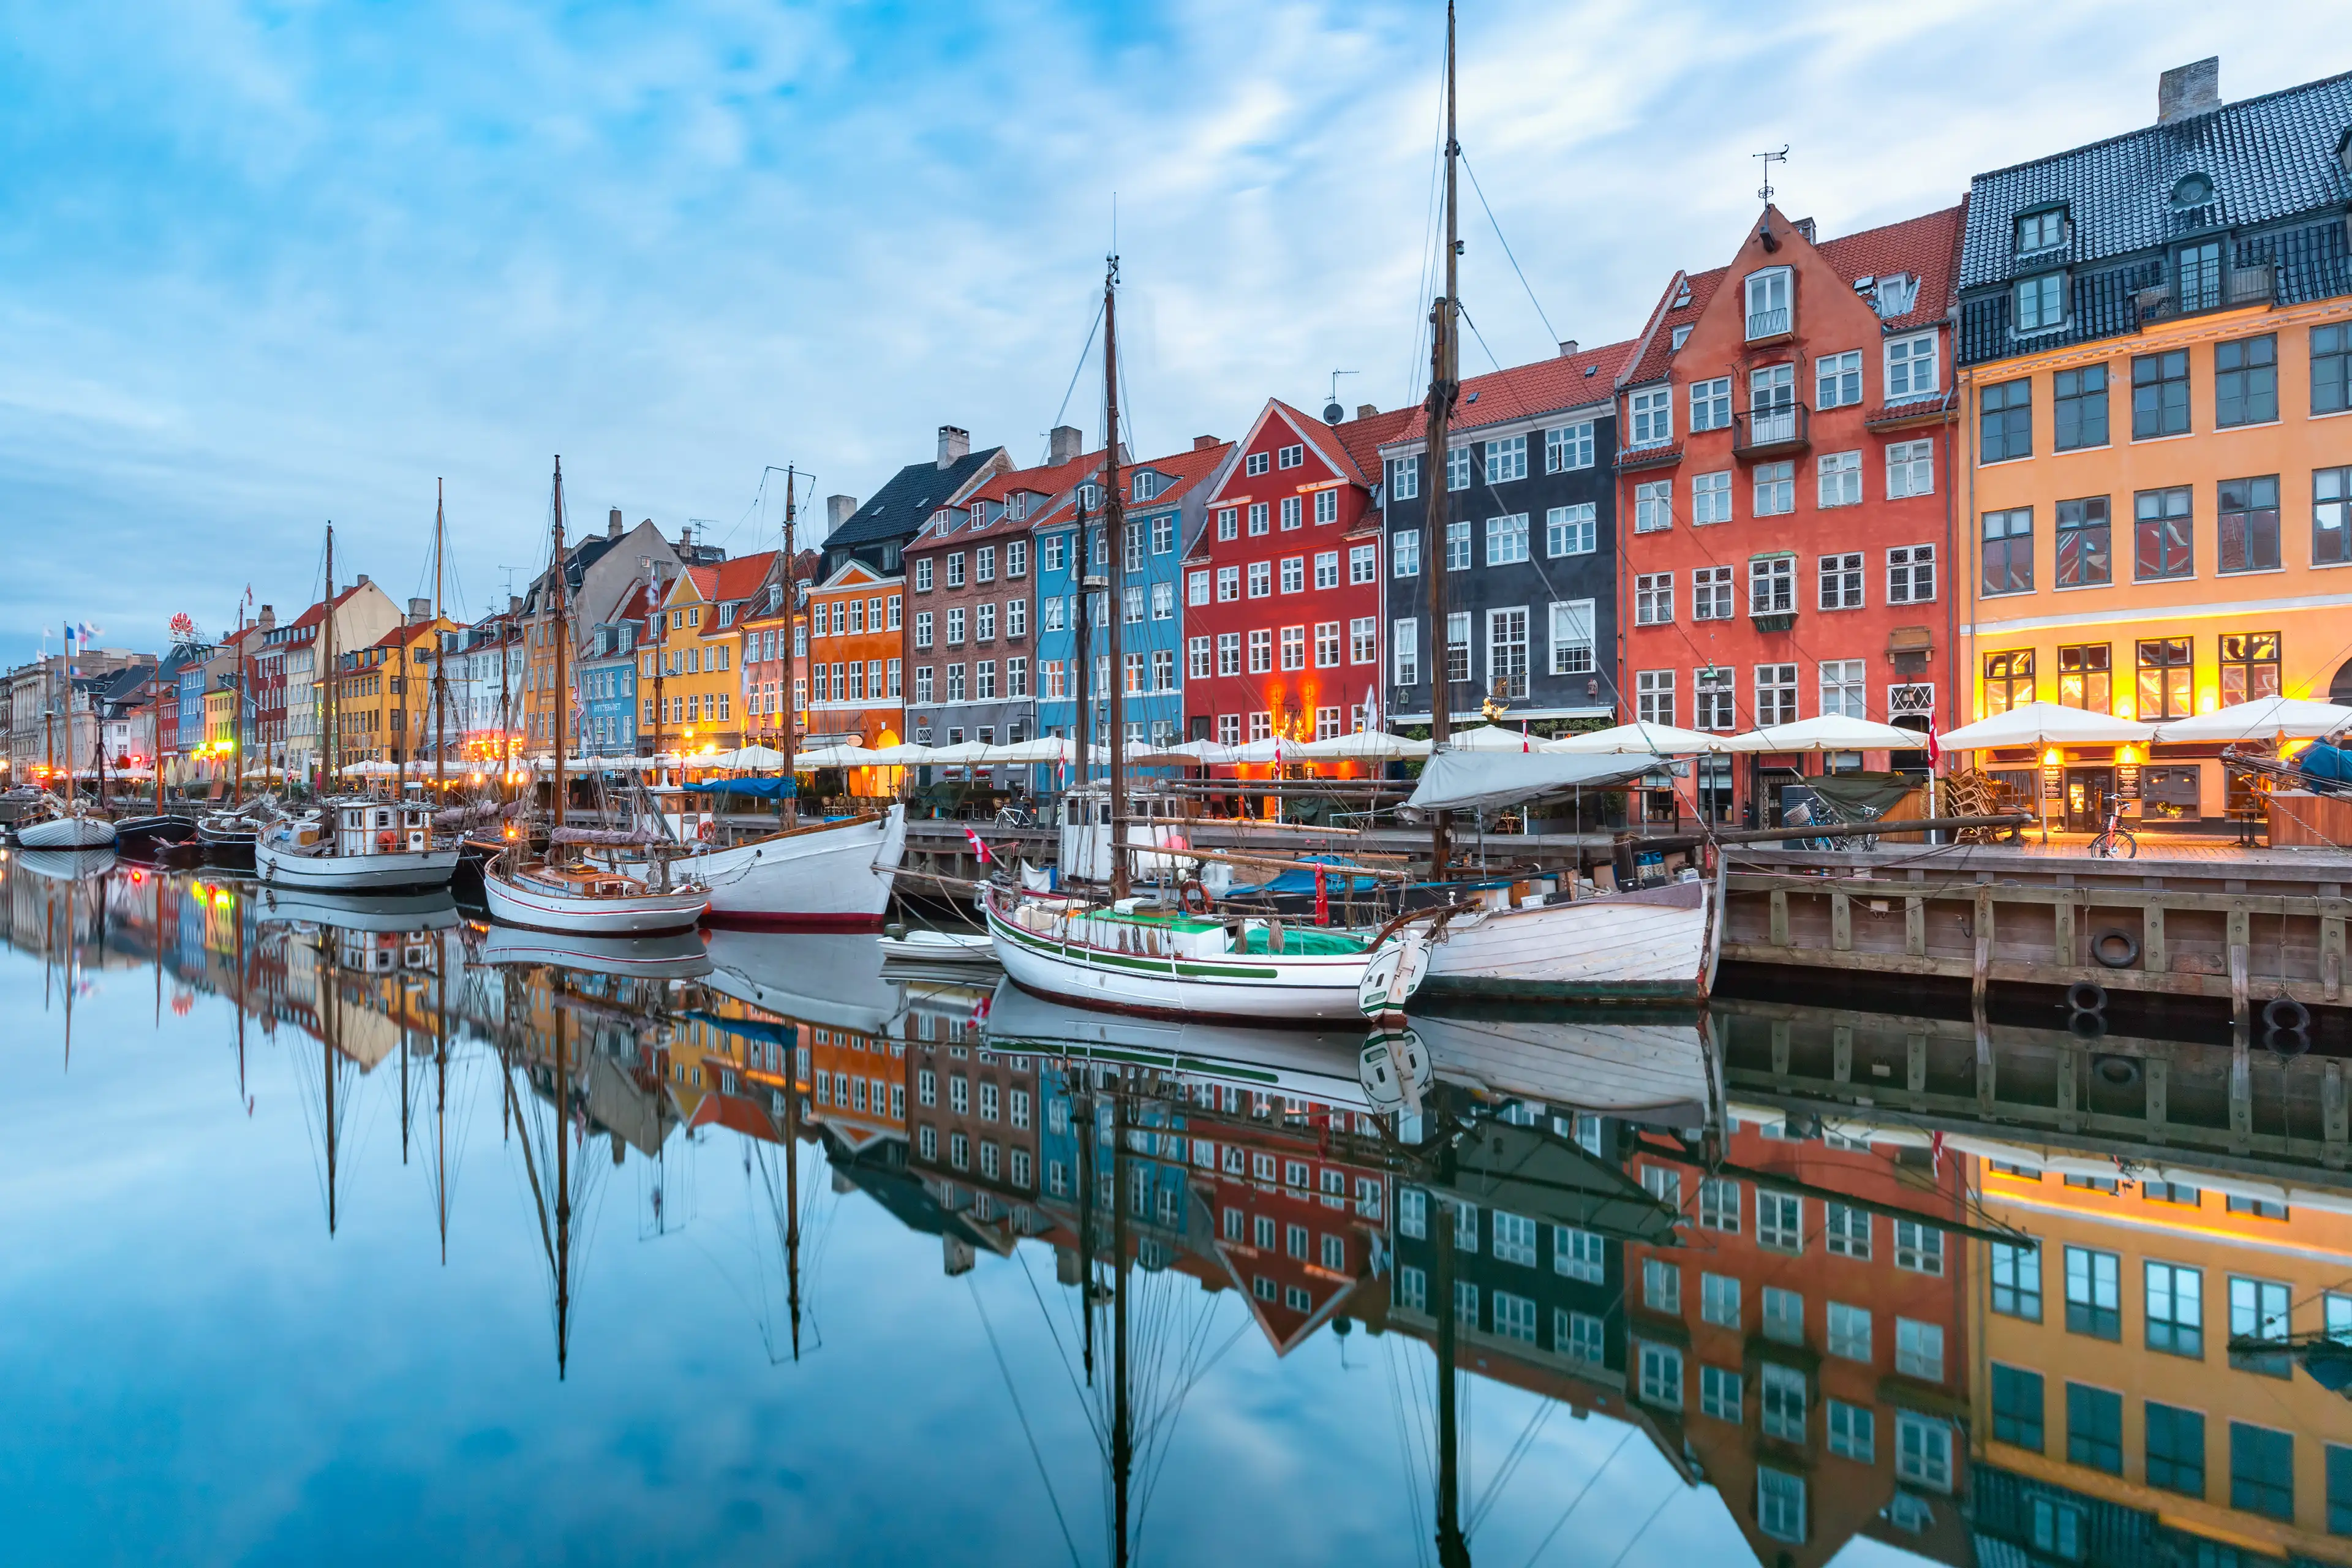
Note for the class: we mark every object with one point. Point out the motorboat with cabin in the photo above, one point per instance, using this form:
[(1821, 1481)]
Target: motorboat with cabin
[(353, 845)]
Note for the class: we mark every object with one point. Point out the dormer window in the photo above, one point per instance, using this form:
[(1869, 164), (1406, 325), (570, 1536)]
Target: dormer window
[(1019, 500), (979, 514), (1682, 336), (1895, 294), (2042, 230), (1089, 497), (1682, 296), (1768, 314), (1147, 485), (2042, 302), (2191, 191)]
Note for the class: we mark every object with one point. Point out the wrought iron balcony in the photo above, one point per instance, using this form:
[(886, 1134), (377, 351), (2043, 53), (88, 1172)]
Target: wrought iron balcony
[(1764, 325), (2200, 290), (1770, 431)]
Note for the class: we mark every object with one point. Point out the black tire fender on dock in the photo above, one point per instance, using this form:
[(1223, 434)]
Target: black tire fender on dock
[(2087, 997), (2100, 948), (2086, 1025), (2281, 1014)]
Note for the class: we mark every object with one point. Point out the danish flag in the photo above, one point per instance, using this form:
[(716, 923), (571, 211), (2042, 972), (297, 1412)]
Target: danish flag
[(979, 849)]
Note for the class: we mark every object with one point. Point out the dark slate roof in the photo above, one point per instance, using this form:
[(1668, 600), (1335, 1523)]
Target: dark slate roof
[(910, 497), (2269, 158)]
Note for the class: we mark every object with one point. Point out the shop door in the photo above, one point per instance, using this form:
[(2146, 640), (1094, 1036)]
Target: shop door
[(2088, 791)]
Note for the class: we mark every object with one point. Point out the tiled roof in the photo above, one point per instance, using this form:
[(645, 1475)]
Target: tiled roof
[(1545, 386), (2268, 158), (1182, 470), (316, 614), (1660, 348), (1053, 480), (912, 494), (1363, 439), (1927, 248), (741, 577)]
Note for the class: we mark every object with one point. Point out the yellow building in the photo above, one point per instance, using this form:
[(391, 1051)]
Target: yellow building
[(2157, 352), (696, 657), (2108, 1400), (383, 698)]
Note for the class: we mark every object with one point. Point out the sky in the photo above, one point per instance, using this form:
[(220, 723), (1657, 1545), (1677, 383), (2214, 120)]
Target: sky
[(263, 266)]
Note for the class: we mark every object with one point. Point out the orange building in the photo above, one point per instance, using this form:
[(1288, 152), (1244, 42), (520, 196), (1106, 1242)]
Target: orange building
[(856, 678), (701, 707)]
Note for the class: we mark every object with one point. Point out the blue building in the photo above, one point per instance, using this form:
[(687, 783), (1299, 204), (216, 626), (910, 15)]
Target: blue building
[(1163, 508), (607, 679)]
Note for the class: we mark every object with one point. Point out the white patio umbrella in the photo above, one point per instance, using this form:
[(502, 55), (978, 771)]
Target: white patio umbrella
[(1204, 754), (1493, 738), (968, 753), (1827, 732), (1635, 739), (2295, 718), (1364, 746), (2045, 724), (898, 756), (757, 756), (845, 756), (1045, 750)]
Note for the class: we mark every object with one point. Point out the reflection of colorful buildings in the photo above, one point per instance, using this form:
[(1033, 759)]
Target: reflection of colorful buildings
[(2113, 1420)]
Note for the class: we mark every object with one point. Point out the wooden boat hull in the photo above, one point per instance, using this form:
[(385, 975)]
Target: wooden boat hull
[(541, 908), (354, 873), (1247, 988), (1648, 947), (830, 878), (67, 833)]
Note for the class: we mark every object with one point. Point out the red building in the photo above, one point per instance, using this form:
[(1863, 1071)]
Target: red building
[(1282, 583), (1785, 473)]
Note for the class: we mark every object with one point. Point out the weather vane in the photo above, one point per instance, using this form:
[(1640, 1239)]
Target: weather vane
[(1764, 192)]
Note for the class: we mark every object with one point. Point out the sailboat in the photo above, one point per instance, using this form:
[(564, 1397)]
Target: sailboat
[(558, 892), (1644, 946), (1118, 953), (356, 843), (822, 876)]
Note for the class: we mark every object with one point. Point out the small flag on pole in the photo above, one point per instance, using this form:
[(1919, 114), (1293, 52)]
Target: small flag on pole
[(1935, 747), (979, 849)]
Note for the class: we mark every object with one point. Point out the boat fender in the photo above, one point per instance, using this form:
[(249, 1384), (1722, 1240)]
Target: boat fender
[(1187, 891), (2087, 997), (2115, 948), (2287, 1042), (2284, 1013), (2086, 1025)]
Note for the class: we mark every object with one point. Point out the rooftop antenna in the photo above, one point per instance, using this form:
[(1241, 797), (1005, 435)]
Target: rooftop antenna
[(1764, 192), (1332, 412)]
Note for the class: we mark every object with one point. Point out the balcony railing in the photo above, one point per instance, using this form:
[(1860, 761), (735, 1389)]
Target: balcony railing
[(1767, 432), (2225, 289), (1762, 324)]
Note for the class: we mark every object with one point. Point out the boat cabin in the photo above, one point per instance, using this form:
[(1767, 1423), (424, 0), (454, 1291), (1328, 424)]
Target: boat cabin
[(1152, 818), (379, 827)]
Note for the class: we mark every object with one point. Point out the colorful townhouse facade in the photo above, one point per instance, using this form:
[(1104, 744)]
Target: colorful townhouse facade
[(2113, 1421), (697, 639), (607, 679), (1163, 507), (973, 586), (2155, 331), (1785, 478), (1530, 552), (857, 680), (1281, 579)]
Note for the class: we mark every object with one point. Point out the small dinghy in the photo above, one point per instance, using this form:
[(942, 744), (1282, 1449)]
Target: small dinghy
[(79, 829)]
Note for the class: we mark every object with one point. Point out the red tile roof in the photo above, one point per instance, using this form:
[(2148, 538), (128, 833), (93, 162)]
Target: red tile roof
[(1564, 381), (1658, 345), (1927, 248), (1361, 439), (316, 614), (741, 577), (1184, 469)]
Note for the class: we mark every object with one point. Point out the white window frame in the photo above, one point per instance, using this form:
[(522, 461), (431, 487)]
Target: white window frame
[(1506, 459), (1651, 417), (1711, 499), (1568, 448), (1715, 708), (1572, 530), (1846, 687), (1837, 379), (1715, 596), (1710, 404), (1654, 696), (1775, 490), (1404, 650), (1506, 539), (1653, 599), (1404, 478), (1905, 362), (1837, 479), (1904, 565), (1910, 470), (1654, 506), (1838, 580), (1573, 636), (1772, 586)]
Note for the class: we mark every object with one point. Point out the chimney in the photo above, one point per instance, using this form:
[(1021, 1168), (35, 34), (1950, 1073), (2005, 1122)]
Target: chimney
[(1805, 225), (1064, 443), (1202, 442), (361, 581), (2190, 89), (267, 621), (420, 611), (838, 510), (612, 523), (1567, 347), (953, 444), (514, 604), (1366, 410)]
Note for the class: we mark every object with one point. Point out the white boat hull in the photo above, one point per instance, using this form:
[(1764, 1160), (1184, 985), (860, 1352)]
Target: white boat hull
[(830, 878), (679, 956), (354, 873), (376, 913), (67, 833), (1657, 1072), (1245, 988), (1646, 947), (542, 909)]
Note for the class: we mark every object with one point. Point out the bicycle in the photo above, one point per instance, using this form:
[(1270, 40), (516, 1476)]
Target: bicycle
[(2115, 841)]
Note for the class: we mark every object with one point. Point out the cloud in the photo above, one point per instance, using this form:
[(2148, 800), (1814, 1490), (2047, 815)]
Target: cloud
[(266, 266)]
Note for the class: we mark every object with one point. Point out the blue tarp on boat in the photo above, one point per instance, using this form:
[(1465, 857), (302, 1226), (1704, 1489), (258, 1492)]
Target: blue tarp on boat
[(778, 788)]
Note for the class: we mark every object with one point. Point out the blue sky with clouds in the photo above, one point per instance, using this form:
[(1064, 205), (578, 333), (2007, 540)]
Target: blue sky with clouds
[(264, 265)]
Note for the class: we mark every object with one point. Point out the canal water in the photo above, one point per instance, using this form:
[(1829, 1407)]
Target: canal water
[(365, 1233)]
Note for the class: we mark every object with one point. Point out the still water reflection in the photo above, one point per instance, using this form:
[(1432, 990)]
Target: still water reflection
[(365, 1233)]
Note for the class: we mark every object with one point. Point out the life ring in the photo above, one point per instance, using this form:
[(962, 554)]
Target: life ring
[(387, 841), (708, 831), (2284, 1013), (2087, 997), (2104, 949), (1185, 890)]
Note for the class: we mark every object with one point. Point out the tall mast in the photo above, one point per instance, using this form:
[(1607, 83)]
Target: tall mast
[(1444, 386), (334, 992), (440, 674), (563, 634), (1452, 1546), (793, 1181), (1122, 1425), (792, 712), (1084, 569), (562, 1150), (1114, 612), (327, 727)]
